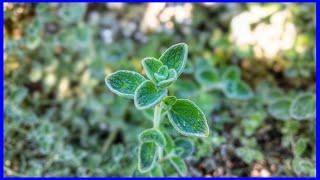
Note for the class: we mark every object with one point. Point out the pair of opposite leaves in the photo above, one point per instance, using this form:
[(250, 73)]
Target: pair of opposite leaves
[(301, 108), (152, 140), (184, 115), (230, 83)]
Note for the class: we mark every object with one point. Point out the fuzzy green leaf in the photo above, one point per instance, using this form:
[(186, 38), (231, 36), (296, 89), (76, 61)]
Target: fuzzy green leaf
[(153, 135), (175, 57), (208, 77), (188, 69), (238, 90), (170, 143), (232, 73), (162, 73), (157, 171), (151, 66), (249, 155), (185, 88), (148, 95), (188, 119), (303, 107), (168, 102), (183, 147), (300, 146), (124, 83), (147, 156), (171, 78), (179, 165), (303, 166), (280, 108)]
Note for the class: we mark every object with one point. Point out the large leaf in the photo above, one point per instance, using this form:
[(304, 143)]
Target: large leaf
[(279, 109), (147, 156), (179, 165), (153, 135), (175, 57), (151, 66), (147, 95), (124, 83), (303, 107), (238, 90), (188, 119)]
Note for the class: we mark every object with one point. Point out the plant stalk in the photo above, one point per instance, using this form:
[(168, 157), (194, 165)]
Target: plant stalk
[(156, 123), (157, 116), (108, 141)]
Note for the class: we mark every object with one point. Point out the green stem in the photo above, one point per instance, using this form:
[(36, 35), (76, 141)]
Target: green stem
[(109, 140), (156, 123), (166, 157), (157, 116)]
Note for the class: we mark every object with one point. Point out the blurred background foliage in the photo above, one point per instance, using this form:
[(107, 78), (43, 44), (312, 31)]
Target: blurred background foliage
[(60, 119)]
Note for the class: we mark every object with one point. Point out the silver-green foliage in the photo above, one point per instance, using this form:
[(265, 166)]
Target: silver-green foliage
[(184, 115), (302, 107)]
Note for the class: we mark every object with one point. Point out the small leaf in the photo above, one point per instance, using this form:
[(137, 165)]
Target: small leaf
[(280, 108), (153, 135), (188, 119), (188, 69), (249, 155), (238, 90), (159, 77), (208, 77), (185, 88), (232, 73), (171, 78), (162, 73), (71, 12), (208, 102), (157, 171), (273, 95), (168, 168), (151, 66), (179, 165), (147, 156), (137, 173), (170, 143), (303, 107), (303, 166), (168, 102), (124, 83), (183, 147), (300, 147), (175, 57), (147, 95)]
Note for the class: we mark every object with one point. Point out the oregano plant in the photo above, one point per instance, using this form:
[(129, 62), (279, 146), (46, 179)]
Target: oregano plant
[(151, 92)]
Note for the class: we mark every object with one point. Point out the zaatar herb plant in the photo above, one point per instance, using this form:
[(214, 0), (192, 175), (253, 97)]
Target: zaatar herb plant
[(152, 92)]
